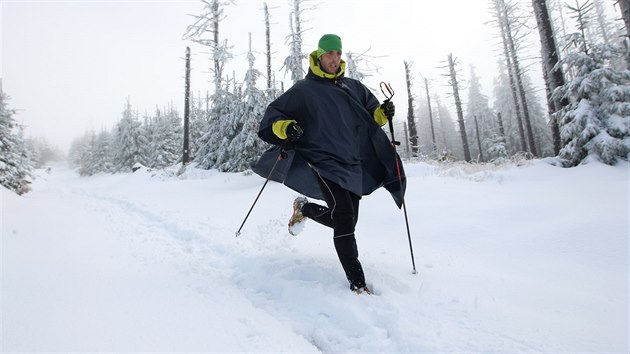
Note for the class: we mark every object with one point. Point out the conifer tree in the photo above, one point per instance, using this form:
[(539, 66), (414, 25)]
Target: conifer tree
[(164, 138), (246, 147), (597, 121), (448, 140), (505, 106), (224, 124), (199, 123), (478, 108), (507, 23), (128, 140), (87, 161), (294, 62), (430, 114), (15, 162), (103, 152), (42, 152), (75, 152)]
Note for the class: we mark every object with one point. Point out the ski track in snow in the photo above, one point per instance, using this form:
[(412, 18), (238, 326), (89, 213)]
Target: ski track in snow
[(369, 324), (292, 287), (325, 325)]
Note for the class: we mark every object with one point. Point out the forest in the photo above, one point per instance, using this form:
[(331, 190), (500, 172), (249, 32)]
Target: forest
[(584, 114)]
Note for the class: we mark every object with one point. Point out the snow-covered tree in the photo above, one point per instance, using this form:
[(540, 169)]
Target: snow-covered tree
[(425, 142), (42, 152), (359, 66), (505, 106), (92, 153), (205, 31), (294, 63), (540, 120), (199, 122), (352, 70), (427, 122), (448, 140), (246, 147), (223, 126), (128, 140), (164, 134), (103, 152), (15, 163), (624, 8), (87, 160), (75, 152), (478, 109), (597, 121), (497, 150), (510, 23)]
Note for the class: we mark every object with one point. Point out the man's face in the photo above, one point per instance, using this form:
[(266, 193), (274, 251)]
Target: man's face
[(330, 61)]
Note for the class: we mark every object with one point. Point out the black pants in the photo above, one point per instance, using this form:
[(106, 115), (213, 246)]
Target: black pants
[(341, 215)]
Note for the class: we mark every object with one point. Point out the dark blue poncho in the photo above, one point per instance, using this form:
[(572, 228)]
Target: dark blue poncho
[(341, 140)]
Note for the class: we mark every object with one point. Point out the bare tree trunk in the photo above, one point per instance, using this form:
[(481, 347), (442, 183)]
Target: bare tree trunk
[(518, 74), (268, 46), (407, 153), (293, 63), (500, 121), (552, 70), (624, 6), (186, 155), (208, 22), (508, 62), (600, 16), (217, 64), (297, 13), (458, 105), (561, 31), (481, 159), (426, 85), (411, 120)]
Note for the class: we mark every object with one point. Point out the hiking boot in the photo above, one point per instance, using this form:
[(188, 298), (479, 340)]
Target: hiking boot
[(360, 289), (296, 223)]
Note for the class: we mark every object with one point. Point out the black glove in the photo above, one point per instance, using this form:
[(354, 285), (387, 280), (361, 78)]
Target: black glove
[(389, 109), (294, 131)]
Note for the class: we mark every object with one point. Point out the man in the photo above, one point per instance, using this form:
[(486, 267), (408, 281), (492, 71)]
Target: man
[(328, 126)]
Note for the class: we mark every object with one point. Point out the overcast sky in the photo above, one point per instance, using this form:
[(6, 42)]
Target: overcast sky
[(68, 66)]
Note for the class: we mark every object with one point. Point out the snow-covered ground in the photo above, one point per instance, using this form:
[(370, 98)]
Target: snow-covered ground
[(527, 258)]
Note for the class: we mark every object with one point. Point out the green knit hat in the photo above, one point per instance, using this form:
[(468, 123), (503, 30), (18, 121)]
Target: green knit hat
[(327, 43)]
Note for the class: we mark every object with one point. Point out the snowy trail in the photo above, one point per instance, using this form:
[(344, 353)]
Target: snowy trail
[(122, 283), (298, 291), (149, 262)]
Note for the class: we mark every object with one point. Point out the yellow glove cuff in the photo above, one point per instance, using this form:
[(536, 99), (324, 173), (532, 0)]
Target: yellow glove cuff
[(380, 117), (280, 128)]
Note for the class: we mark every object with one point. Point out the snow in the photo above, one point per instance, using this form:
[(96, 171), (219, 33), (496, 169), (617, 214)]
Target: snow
[(530, 258)]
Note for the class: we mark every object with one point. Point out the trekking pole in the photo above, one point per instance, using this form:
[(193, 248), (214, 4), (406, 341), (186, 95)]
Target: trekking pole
[(281, 155), (388, 92)]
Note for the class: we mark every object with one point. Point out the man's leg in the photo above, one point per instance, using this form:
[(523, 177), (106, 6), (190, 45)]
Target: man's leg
[(318, 213), (343, 208)]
